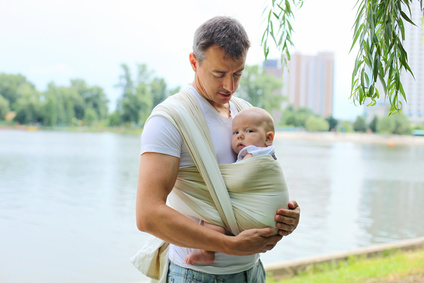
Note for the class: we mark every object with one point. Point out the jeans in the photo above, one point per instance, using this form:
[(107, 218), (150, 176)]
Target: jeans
[(177, 274)]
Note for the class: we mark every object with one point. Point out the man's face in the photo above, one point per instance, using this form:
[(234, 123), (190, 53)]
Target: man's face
[(217, 77)]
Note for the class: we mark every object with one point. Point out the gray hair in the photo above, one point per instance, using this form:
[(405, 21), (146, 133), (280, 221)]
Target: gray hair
[(226, 33)]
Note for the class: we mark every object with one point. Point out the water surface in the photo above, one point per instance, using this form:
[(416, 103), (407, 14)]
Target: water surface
[(67, 202)]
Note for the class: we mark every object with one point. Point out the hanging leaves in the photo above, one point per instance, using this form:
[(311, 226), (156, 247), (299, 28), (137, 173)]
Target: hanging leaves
[(379, 30), (279, 28)]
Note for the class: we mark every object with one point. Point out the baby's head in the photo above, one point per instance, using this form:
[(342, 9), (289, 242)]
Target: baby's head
[(252, 126)]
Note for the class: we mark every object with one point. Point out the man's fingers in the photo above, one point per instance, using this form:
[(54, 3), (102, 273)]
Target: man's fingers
[(293, 204), (267, 232)]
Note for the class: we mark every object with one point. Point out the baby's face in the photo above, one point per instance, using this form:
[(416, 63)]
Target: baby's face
[(248, 130)]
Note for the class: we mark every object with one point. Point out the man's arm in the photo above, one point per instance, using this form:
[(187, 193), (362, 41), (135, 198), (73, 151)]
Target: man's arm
[(288, 219), (157, 176)]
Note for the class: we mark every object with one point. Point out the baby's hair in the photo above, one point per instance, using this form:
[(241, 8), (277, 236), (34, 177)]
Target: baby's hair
[(264, 116)]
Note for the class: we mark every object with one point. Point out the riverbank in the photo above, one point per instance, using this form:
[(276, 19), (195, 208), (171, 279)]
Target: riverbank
[(285, 269), (390, 140), (289, 270)]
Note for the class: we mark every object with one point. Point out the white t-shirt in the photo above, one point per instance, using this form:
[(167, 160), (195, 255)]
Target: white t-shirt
[(159, 135)]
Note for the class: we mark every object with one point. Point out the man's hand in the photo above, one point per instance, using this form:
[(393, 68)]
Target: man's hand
[(253, 241), (288, 219)]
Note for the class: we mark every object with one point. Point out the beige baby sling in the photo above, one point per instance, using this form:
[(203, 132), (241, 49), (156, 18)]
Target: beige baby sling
[(236, 196)]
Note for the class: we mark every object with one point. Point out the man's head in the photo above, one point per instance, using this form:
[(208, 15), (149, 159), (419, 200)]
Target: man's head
[(218, 58), (226, 33), (252, 126)]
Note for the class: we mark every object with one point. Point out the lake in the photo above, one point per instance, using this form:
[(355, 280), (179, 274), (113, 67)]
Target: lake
[(67, 202)]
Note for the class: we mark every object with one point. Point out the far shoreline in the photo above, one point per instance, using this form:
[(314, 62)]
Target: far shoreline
[(364, 138), (370, 138)]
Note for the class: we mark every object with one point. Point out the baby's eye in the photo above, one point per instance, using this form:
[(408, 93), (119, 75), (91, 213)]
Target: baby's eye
[(235, 133), (249, 131)]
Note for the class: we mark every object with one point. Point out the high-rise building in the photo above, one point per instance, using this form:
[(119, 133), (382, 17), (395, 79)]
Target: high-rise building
[(308, 83), (414, 46)]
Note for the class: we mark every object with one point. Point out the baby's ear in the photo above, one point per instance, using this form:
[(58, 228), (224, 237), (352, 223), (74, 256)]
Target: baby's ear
[(269, 138)]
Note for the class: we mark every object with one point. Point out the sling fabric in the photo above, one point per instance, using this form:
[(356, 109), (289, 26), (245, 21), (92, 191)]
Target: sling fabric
[(236, 196)]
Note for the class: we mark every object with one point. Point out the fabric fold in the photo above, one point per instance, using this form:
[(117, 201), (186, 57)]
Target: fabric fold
[(234, 196)]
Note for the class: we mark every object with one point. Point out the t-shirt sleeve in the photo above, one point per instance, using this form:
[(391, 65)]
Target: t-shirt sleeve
[(160, 136)]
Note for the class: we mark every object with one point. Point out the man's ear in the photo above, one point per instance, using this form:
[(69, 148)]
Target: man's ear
[(193, 61), (269, 138)]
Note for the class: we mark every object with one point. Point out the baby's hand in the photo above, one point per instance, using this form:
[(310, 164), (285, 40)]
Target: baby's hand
[(249, 155)]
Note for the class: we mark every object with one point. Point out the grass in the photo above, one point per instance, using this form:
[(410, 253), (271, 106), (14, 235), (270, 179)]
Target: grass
[(392, 266)]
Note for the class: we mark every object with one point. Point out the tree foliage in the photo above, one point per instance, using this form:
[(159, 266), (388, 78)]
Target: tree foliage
[(279, 27), (261, 89), (139, 95), (58, 105), (360, 125), (316, 124), (295, 117), (373, 124), (395, 124), (379, 30), (332, 123)]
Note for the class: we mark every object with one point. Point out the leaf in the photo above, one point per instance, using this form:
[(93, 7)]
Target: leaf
[(407, 18)]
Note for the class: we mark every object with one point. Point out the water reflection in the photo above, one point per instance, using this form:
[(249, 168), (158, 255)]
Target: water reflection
[(67, 202)]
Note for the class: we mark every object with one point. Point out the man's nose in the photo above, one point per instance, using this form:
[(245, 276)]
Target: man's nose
[(229, 83)]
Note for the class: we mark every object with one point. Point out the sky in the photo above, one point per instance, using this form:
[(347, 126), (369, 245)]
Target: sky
[(60, 40)]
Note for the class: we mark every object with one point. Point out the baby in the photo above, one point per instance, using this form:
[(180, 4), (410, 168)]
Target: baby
[(253, 134)]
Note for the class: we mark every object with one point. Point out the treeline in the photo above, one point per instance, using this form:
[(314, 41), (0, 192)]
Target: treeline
[(80, 104), (304, 118)]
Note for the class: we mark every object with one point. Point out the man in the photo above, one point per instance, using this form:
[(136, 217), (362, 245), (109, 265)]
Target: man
[(218, 58)]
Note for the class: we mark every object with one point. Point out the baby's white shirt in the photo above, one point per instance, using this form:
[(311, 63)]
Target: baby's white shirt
[(256, 151)]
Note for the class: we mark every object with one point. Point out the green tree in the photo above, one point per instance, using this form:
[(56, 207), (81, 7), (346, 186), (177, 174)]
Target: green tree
[(373, 124), (385, 125), (360, 125), (13, 86), (4, 107), (332, 123), (346, 127), (316, 124), (402, 125), (395, 124), (94, 98), (62, 105), (296, 118), (114, 119), (261, 89), (139, 96), (379, 30), (90, 116), (136, 101), (28, 105)]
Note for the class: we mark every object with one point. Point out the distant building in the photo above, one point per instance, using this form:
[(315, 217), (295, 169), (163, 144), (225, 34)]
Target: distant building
[(273, 67), (414, 46), (308, 83)]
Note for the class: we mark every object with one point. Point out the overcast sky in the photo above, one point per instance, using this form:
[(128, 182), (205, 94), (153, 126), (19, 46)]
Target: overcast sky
[(57, 40)]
